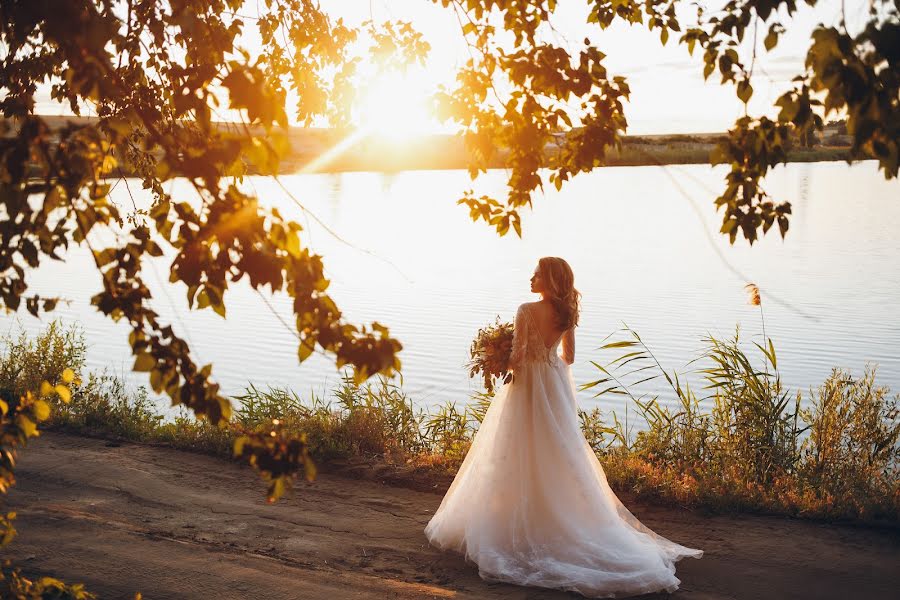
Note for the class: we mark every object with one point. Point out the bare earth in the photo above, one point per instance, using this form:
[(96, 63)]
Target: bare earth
[(126, 517)]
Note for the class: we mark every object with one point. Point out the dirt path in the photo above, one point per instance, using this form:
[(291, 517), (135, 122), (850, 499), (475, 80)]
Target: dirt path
[(171, 524)]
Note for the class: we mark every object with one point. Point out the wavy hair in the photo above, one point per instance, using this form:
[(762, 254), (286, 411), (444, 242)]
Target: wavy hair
[(559, 288)]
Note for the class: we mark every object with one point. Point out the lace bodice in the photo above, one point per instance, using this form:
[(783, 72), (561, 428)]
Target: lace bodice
[(527, 345)]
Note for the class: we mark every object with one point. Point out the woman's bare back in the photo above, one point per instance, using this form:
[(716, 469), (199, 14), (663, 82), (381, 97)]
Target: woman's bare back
[(544, 315)]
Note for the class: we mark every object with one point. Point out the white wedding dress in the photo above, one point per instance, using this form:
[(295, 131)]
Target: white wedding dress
[(530, 504)]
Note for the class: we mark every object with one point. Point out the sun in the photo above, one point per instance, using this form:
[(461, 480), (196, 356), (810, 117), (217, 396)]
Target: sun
[(394, 108)]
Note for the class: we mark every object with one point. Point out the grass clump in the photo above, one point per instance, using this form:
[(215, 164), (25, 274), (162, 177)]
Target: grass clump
[(750, 444), (747, 444), (367, 420), (373, 420)]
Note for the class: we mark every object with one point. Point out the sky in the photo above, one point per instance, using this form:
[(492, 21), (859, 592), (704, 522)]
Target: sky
[(668, 93)]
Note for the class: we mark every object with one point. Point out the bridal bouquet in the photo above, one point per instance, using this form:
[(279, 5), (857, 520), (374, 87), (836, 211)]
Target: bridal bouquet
[(490, 352)]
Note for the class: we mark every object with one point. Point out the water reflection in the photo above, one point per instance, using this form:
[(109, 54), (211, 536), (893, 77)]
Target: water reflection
[(643, 243)]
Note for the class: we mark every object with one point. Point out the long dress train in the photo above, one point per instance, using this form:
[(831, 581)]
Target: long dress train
[(530, 504)]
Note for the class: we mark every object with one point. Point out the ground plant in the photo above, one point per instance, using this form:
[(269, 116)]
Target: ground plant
[(745, 444)]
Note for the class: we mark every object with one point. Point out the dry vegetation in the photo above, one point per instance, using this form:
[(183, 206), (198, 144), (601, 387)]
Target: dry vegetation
[(750, 446)]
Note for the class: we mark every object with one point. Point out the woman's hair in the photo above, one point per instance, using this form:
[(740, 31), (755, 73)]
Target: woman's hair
[(559, 288)]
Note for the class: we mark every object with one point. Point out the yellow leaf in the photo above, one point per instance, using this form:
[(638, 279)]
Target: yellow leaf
[(293, 244), (305, 349), (309, 468), (68, 376), (41, 410), (239, 445), (64, 394), (4, 407), (156, 381), (276, 489), (46, 388), (144, 362), (203, 299), (27, 425)]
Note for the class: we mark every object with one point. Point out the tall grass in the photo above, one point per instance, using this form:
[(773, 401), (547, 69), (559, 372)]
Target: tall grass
[(377, 419), (748, 442), (26, 362), (374, 419), (743, 443)]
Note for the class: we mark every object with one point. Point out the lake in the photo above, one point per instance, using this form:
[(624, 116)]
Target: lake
[(642, 241)]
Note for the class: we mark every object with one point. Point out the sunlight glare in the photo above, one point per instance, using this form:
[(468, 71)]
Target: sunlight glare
[(394, 108)]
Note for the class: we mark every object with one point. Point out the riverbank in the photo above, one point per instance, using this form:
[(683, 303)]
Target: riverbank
[(322, 150), (438, 152), (174, 524)]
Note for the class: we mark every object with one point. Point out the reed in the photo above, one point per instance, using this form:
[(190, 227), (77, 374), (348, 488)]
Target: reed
[(743, 442), (748, 443)]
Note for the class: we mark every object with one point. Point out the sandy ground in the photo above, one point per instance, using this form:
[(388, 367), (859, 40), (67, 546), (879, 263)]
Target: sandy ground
[(126, 517)]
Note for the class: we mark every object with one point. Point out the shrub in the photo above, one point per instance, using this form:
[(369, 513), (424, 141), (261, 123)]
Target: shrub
[(748, 444)]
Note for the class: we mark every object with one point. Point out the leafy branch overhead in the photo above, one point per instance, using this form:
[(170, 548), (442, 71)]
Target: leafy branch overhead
[(522, 97), (157, 74)]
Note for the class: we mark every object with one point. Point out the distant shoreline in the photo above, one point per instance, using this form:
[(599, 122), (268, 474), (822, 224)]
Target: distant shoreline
[(310, 146), (654, 155)]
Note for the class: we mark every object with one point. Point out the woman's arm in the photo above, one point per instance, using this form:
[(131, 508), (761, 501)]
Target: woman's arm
[(520, 335), (568, 346)]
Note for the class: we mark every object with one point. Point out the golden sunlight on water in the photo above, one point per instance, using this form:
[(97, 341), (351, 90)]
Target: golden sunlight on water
[(641, 240)]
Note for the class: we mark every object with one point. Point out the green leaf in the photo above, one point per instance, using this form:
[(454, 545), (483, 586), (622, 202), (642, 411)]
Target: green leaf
[(636, 383), (588, 386), (156, 381), (624, 344), (599, 366), (628, 355), (610, 390), (744, 90)]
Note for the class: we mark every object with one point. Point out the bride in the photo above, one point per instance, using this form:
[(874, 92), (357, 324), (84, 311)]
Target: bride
[(530, 504)]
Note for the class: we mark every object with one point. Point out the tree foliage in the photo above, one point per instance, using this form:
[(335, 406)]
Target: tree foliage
[(161, 76), (521, 92), (155, 73)]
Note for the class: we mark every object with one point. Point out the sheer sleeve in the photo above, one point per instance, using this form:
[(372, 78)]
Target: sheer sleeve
[(568, 346), (520, 337)]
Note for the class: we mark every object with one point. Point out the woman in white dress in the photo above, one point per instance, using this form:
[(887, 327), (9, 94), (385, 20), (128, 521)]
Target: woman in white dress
[(530, 504)]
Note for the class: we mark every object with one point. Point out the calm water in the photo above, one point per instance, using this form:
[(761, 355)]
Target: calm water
[(641, 240)]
